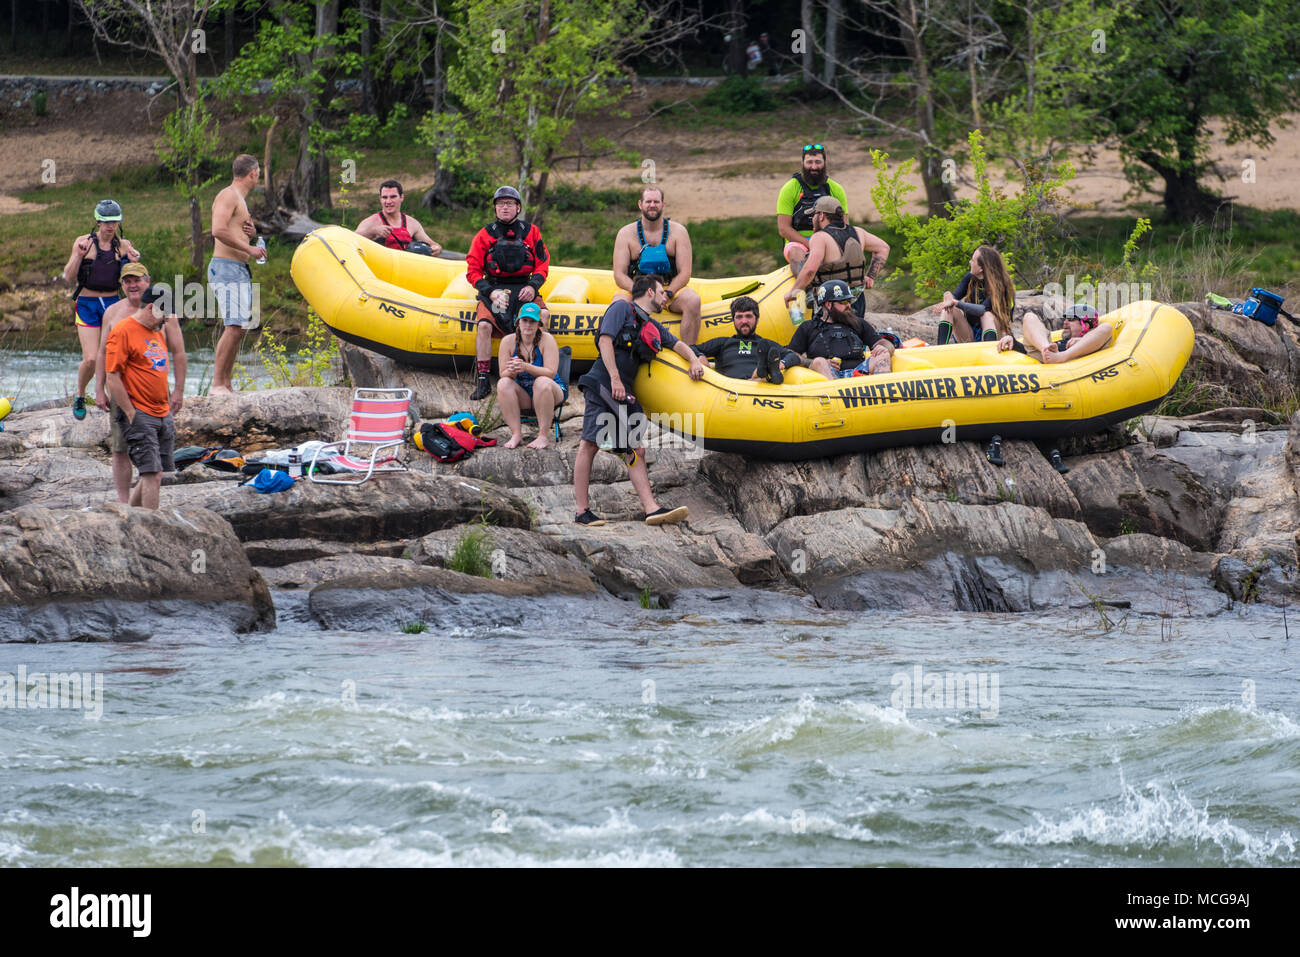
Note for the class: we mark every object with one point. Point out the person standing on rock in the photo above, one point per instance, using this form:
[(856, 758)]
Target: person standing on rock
[(742, 356), (529, 362), (627, 337), (390, 225), (507, 263), (982, 304), (135, 280), (655, 246), (96, 266), (229, 275), (136, 362), (839, 251), (794, 204)]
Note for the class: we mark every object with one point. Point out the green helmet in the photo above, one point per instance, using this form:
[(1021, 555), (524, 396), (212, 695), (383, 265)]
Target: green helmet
[(107, 211)]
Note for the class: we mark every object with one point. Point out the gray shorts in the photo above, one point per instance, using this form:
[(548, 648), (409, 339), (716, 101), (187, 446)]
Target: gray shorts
[(116, 440), (615, 430), (232, 286), (149, 441)]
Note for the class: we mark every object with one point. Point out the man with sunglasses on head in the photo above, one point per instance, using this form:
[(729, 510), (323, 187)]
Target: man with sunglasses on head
[(794, 204)]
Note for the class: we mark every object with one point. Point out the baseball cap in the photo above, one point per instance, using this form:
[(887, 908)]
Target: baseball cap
[(155, 293), (828, 204), (135, 269), (530, 310)]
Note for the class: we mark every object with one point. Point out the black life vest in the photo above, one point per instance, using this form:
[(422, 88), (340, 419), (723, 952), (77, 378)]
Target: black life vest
[(851, 264), (101, 272), (801, 218), (509, 256), (837, 341), (654, 260)]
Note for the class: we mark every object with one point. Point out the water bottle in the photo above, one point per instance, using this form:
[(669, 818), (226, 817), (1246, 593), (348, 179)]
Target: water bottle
[(796, 313), (261, 244), (295, 464)]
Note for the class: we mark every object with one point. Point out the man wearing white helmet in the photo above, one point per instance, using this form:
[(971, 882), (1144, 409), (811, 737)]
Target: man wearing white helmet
[(507, 263)]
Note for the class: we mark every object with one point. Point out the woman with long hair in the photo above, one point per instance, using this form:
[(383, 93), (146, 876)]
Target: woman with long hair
[(529, 362), (96, 266), (981, 305)]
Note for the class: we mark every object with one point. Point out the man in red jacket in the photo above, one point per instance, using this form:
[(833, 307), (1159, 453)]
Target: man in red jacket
[(507, 263)]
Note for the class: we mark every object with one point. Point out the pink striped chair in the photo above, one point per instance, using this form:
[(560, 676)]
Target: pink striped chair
[(379, 428)]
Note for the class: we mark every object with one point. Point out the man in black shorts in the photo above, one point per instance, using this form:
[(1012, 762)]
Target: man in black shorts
[(627, 337)]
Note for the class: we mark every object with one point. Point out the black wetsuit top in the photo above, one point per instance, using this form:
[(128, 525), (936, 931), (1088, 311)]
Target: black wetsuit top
[(737, 356)]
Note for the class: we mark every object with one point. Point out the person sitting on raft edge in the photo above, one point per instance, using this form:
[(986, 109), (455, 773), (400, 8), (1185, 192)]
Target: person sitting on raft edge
[(981, 305), (747, 355), (837, 342), (627, 337), (391, 226)]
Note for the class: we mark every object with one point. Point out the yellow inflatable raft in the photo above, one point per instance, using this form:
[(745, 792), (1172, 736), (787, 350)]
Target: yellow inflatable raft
[(420, 310), (935, 394)]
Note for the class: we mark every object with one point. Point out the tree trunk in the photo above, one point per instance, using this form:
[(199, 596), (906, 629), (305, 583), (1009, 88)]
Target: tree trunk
[(231, 25), (367, 75), (834, 13), (196, 229), (1186, 201), (45, 23), (970, 61), (736, 24), (72, 18), (806, 25), (937, 192)]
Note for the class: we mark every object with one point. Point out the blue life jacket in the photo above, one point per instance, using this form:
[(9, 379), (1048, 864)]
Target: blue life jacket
[(654, 260)]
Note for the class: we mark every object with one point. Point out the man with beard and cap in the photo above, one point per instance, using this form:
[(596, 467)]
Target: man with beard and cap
[(746, 355), (655, 246), (837, 343), (794, 204), (135, 280), (507, 263)]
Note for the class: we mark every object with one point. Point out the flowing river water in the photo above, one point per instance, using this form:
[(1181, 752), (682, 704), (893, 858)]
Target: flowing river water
[(726, 730)]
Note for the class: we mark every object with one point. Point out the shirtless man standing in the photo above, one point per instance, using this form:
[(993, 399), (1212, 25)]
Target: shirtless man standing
[(655, 246), (390, 225), (228, 273), (135, 280)]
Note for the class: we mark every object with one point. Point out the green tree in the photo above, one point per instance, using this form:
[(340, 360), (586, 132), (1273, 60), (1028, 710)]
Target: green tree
[(190, 142), (938, 248), (523, 71), (1172, 66)]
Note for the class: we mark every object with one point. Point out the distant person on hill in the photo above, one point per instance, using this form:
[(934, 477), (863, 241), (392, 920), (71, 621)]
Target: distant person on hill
[(229, 275), (837, 341), (742, 356), (135, 280), (981, 305), (794, 204), (655, 246), (529, 363), (136, 362), (390, 225), (839, 251), (95, 265), (627, 337), (507, 263)]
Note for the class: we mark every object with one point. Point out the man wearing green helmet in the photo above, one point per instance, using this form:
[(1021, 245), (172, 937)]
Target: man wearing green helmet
[(96, 265)]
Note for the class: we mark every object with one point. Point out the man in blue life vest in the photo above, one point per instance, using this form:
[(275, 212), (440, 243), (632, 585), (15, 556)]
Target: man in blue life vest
[(794, 204), (655, 246)]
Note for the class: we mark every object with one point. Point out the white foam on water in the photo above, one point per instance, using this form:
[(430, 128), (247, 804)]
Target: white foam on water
[(1151, 817), (1277, 723), (387, 852), (13, 853), (617, 824), (763, 821)]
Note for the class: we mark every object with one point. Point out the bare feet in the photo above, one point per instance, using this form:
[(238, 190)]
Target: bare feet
[(221, 390), (541, 442), (514, 441)]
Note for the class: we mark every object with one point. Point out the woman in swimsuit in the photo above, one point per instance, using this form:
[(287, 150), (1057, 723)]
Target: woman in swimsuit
[(529, 361)]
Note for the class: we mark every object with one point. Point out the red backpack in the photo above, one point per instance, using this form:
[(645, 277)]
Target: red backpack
[(448, 444)]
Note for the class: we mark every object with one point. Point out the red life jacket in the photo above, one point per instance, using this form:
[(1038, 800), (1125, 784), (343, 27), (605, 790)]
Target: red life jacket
[(509, 256), (400, 237)]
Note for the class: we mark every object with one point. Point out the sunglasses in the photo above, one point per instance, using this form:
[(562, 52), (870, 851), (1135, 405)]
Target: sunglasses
[(814, 148)]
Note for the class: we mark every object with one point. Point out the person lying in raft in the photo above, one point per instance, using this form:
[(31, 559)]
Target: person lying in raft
[(981, 305), (742, 356), (837, 342), (1085, 333), (529, 360)]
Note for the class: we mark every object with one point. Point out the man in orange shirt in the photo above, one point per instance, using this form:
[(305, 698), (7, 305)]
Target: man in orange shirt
[(136, 361)]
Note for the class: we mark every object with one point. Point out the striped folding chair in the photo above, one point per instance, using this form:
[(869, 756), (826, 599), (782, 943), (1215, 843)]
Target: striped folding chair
[(378, 430)]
